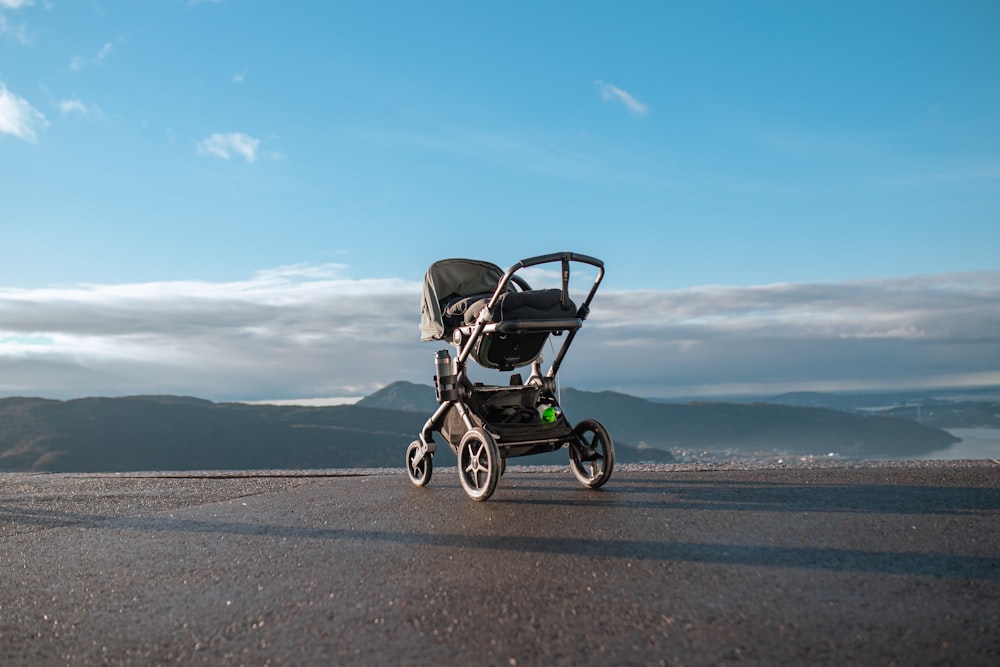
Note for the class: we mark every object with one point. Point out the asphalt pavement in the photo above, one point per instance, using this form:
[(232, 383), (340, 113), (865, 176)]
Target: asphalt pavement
[(894, 564)]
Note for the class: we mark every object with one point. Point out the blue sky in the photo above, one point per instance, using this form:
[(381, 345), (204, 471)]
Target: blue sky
[(177, 177)]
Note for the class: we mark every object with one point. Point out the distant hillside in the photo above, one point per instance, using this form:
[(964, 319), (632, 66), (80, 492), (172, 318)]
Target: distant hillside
[(755, 427), (968, 408), (815, 399), (950, 414), (402, 395), (710, 425), (171, 433), (181, 433)]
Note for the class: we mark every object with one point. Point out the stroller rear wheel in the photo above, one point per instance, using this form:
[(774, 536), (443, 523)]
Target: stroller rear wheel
[(479, 464), (419, 469), (592, 454)]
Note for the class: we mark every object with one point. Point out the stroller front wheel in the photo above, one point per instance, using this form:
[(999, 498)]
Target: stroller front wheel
[(479, 464), (592, 453), (419, 468)]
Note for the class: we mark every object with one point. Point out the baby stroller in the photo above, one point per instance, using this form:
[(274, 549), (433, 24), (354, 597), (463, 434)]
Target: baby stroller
[(495, 318)]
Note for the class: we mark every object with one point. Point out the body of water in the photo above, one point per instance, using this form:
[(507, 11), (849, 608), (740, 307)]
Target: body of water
[(977, 443)]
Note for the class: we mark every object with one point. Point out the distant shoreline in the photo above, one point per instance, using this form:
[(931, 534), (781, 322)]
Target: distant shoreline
[(977, 443), (309, 402)]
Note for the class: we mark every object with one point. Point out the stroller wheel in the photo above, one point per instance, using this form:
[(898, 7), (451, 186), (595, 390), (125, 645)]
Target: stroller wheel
[(479, 464), (592, 453), (419, 469)]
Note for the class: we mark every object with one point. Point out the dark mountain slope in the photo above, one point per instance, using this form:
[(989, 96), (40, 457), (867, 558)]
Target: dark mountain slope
[(183, 433), (755, 426), (706, 425), (178, 433), (402, 395), (164, 433), (942, 409)]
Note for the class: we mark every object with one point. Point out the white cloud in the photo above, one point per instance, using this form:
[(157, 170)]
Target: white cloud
[(18, 117), (16, 4), (240, 76), (68, 107), (77, 63), (228, 145), (18, 32), (611, 92), (80, 109)]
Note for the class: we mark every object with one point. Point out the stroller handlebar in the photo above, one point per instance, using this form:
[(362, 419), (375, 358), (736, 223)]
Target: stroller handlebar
[(563, 258), (558, 257), (582, 312)]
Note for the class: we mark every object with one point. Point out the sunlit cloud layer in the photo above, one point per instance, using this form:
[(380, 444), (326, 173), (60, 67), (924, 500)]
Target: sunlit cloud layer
[(895, 333), (309, 331)]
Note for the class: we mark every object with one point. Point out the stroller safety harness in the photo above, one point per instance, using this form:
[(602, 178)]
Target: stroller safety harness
[(495, 318)]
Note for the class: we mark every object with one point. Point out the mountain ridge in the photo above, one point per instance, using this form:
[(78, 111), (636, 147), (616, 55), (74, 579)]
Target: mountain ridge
[(724, 425), (98, 434), (164, 432)]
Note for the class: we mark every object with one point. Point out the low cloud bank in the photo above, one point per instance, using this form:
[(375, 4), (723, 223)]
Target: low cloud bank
[(308, 331)]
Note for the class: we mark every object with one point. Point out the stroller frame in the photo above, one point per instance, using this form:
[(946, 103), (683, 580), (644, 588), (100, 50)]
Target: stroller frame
[(486, 424)]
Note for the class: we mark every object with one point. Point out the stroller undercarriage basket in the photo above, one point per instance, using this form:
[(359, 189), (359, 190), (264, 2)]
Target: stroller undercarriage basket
[(495, 318)]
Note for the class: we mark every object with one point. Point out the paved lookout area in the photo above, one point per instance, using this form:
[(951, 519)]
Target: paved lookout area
[(875, 564)]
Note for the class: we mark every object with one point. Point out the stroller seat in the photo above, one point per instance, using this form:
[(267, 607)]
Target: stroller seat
[(546, 304), (457, 291)]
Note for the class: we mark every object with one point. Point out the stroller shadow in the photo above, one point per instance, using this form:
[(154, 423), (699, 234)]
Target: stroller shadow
[(551, 507), (938, 565), (723, 495)]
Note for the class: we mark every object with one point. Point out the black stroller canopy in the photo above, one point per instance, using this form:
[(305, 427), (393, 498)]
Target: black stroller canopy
[(449, 279)]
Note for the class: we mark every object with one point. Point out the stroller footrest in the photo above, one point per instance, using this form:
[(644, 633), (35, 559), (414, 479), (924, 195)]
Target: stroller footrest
[(524, 326)]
